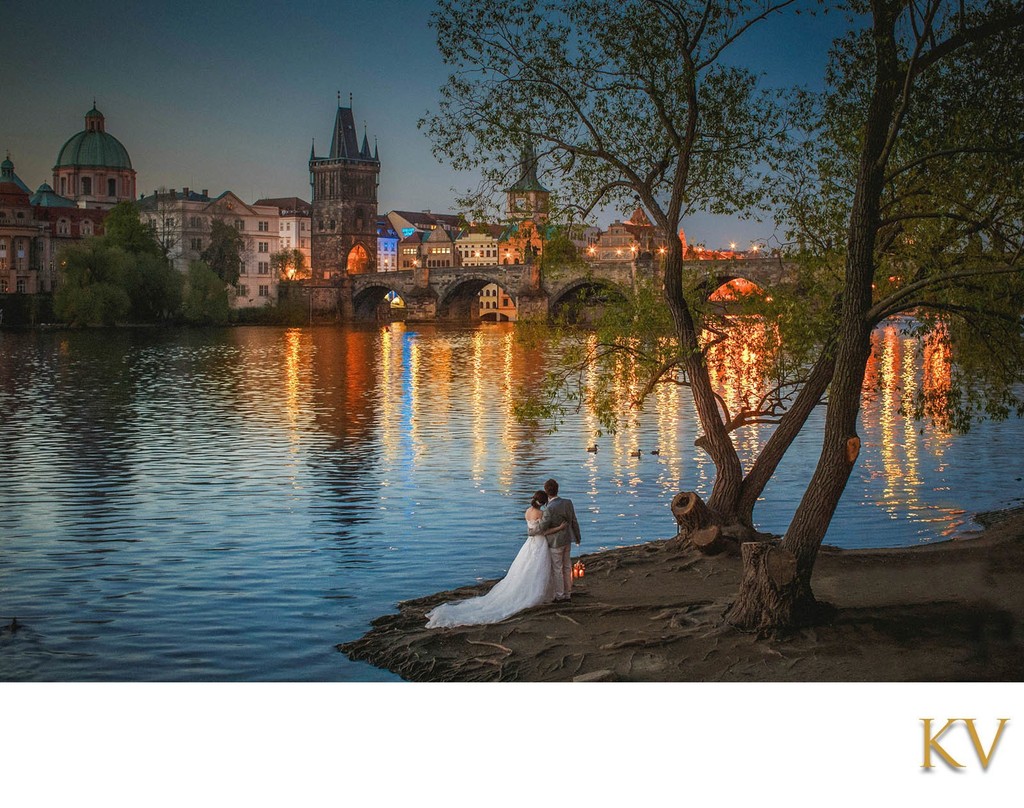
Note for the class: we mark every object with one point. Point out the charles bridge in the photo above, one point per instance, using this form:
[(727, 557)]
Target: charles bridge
[(452, 293)]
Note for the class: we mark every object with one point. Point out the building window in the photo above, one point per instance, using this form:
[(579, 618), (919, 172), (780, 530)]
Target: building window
[(302, 226), (193, 221), (63, 228), (333, 224), (86, 228), (263, 227), (197, 244), (86, 185), (20, 287), (63, 186), (264, 246), (112, 187), (288, 226), (239, 224), (4, 289), (263, 268), (264, 290)]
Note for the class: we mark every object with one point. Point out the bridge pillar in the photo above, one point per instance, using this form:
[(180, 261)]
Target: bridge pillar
[(421, 305), (346, 303), (532, 306)]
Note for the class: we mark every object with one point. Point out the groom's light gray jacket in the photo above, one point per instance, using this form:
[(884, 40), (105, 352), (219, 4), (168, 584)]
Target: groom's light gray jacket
[(559, 511)]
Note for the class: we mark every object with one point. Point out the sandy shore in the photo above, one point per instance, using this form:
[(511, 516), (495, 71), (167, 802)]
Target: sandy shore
[(950, 611)]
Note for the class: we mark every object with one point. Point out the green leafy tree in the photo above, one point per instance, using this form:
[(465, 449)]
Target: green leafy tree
[(124, 229), (224, 253), (206, 296), (914, 184), (624, 101), (92, 288), (289, 265), (154, 288)]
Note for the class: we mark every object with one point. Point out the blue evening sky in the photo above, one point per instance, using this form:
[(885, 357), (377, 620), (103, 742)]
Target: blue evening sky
[(228, 95)]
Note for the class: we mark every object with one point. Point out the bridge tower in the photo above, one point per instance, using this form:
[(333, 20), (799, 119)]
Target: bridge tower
[(344, 189), (527, 209)]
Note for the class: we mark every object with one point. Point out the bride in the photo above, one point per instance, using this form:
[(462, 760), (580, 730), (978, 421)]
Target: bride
[(528, 582)]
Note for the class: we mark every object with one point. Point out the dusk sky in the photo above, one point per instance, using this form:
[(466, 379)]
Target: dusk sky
[(228, 95)]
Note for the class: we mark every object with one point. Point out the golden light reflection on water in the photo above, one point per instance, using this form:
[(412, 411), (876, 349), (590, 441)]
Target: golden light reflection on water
[(896, 374), (388, 416), (508, 437), (438, 400), (298, 393), (479, 390)]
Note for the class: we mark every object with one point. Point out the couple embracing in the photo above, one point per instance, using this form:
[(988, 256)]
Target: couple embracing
[(541, 572)]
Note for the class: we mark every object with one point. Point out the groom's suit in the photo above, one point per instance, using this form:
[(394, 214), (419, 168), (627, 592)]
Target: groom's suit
[(560, 511)]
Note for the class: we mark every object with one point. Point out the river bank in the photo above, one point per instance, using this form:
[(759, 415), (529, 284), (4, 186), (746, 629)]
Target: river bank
[(949, 611)]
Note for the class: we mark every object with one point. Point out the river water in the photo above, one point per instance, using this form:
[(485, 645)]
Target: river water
[(229, 504)]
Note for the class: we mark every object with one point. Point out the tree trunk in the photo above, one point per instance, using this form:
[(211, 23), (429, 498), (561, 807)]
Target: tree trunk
[(768, 595), (760, 604), (715, 441), (785, 433)]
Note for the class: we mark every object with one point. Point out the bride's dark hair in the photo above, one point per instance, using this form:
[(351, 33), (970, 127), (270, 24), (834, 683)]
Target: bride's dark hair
[(539, 498)]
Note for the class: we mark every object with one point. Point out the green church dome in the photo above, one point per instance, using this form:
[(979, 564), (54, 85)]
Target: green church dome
[(93, 147)]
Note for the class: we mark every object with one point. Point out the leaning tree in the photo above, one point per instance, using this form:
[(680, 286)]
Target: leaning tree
[(623, 101), (913, 175)]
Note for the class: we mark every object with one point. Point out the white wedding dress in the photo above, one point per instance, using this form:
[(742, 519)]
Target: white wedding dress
[(527, 583)]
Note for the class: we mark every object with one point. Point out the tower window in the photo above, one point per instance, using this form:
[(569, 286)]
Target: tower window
[(112, 187), (86, 185)]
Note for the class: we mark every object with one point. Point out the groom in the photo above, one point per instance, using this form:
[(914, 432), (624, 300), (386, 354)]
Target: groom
[(560, 514)]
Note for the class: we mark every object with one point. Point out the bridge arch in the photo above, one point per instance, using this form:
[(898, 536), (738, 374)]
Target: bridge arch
[(584, 298), (726, 287), (461, 300), (377, 301)]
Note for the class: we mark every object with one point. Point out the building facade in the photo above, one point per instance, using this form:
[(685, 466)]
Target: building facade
[(182, 220), (33, 231), (387, 246), (294, 223), (344, 207), (478, 245)]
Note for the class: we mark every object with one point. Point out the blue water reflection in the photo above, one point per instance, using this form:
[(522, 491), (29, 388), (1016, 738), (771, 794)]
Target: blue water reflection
[(229, 504)]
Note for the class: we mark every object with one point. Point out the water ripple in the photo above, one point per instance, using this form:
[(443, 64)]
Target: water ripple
[(229, 504)]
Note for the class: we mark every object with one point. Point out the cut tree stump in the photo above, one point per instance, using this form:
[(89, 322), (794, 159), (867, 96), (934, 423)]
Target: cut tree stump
[(708, 540), (690, 512)]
